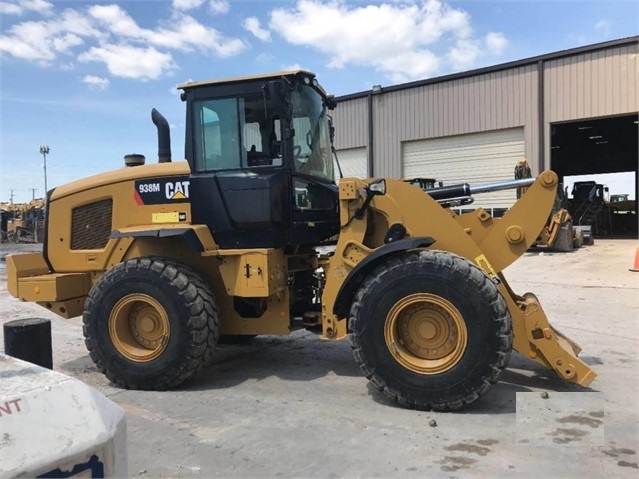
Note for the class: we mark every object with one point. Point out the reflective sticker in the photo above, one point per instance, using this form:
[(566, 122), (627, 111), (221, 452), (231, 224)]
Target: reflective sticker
[(484, 264), (170, 217)]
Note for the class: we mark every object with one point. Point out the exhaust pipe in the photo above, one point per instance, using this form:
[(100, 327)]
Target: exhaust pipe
[(164, 136)]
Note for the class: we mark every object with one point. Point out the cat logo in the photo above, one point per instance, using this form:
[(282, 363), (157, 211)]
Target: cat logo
[(177, 190), (158, 191)]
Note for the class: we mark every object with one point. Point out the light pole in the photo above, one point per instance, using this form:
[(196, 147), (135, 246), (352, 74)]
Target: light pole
[(44, 151)]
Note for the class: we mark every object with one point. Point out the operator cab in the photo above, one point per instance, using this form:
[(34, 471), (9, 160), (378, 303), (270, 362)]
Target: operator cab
[(261, 159)]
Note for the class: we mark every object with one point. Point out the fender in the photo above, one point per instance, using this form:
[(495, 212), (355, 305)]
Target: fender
[(189, 235), (360, 271)]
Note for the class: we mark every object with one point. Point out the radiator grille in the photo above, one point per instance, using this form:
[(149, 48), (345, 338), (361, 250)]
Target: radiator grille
[(91, 225)]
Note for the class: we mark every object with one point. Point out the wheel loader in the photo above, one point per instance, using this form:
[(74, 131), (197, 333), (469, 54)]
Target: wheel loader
[(254, 235), (559, 233), (23, 222)]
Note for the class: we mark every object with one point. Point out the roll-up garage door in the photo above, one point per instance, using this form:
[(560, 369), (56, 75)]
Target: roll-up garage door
[(353, 162), (475, 158)]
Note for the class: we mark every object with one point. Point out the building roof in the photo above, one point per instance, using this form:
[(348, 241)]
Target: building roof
[(503, 66)]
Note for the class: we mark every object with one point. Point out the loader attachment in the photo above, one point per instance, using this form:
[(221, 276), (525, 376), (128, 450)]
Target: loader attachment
[(504, 240), (535, 338), (490, 243)]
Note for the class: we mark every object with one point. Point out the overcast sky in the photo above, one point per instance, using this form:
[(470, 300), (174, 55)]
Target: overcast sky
[(82, 77)]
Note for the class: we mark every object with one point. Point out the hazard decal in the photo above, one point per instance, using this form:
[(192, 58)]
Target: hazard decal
[(162, 190)]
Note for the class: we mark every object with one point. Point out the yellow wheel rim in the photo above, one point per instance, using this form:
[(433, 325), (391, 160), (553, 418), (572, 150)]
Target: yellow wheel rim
[(139, 327), (425, 333)]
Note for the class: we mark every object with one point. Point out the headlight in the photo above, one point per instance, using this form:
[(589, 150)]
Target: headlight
[(377, 187)]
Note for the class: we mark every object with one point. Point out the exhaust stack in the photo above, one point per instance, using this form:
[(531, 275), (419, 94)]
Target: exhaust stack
[(164, 136)]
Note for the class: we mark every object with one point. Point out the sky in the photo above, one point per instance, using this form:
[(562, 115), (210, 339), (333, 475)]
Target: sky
[(82, 76)]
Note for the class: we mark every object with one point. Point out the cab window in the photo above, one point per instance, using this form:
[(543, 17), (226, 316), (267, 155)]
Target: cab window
[(232, 133)]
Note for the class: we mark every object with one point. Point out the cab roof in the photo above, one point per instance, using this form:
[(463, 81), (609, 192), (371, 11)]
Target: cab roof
[(265, 76)]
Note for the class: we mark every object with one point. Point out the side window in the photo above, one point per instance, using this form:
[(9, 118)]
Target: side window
[(252, 137), (217, 145), (212, 143), (260, 132), (233, 133)]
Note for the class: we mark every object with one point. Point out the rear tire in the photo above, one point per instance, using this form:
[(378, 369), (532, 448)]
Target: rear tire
[(150, 323), (430, 330)]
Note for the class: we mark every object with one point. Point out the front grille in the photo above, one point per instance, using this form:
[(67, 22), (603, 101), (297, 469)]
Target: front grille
[(91, 225)]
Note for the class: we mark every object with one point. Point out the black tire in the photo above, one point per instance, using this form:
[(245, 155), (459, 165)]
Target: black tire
[(235, 338), (481, 313), (564, 240), (150, 323)]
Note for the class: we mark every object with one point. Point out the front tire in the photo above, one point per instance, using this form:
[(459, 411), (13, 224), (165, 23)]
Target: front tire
[(150, 323), (430, 330)]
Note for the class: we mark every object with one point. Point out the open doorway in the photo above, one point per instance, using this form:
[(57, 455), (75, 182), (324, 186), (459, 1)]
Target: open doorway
[(597, 160)]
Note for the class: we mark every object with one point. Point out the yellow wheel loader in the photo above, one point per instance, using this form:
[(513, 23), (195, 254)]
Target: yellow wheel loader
[(254, 235), (22, 222), (558, 233)]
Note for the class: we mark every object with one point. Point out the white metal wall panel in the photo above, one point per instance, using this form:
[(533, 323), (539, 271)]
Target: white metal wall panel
[(475, 158), (353, 162)]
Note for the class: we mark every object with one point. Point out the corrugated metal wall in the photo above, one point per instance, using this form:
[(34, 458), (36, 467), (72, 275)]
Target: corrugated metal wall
[(595, 84), (591, 84), (492, 101), (351, 124)]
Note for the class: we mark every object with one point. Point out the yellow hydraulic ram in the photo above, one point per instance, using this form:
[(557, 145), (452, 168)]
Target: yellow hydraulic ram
[(492, 243)]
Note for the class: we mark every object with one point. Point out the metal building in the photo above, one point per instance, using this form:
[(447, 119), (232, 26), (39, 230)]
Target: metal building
[(573, 111)]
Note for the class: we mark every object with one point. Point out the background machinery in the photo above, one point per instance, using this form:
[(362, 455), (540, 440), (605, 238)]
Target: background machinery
[(22, 222), (163, 259), (559, 233), (623, 212), (589, 208)]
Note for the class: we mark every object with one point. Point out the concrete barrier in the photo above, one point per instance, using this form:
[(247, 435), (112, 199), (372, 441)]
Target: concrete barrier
[(55, 426)]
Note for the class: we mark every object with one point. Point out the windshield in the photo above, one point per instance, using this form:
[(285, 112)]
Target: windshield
[(312, 151)]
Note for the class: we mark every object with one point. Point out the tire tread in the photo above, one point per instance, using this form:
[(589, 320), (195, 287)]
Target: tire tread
[(203, 323), (441, 260)]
